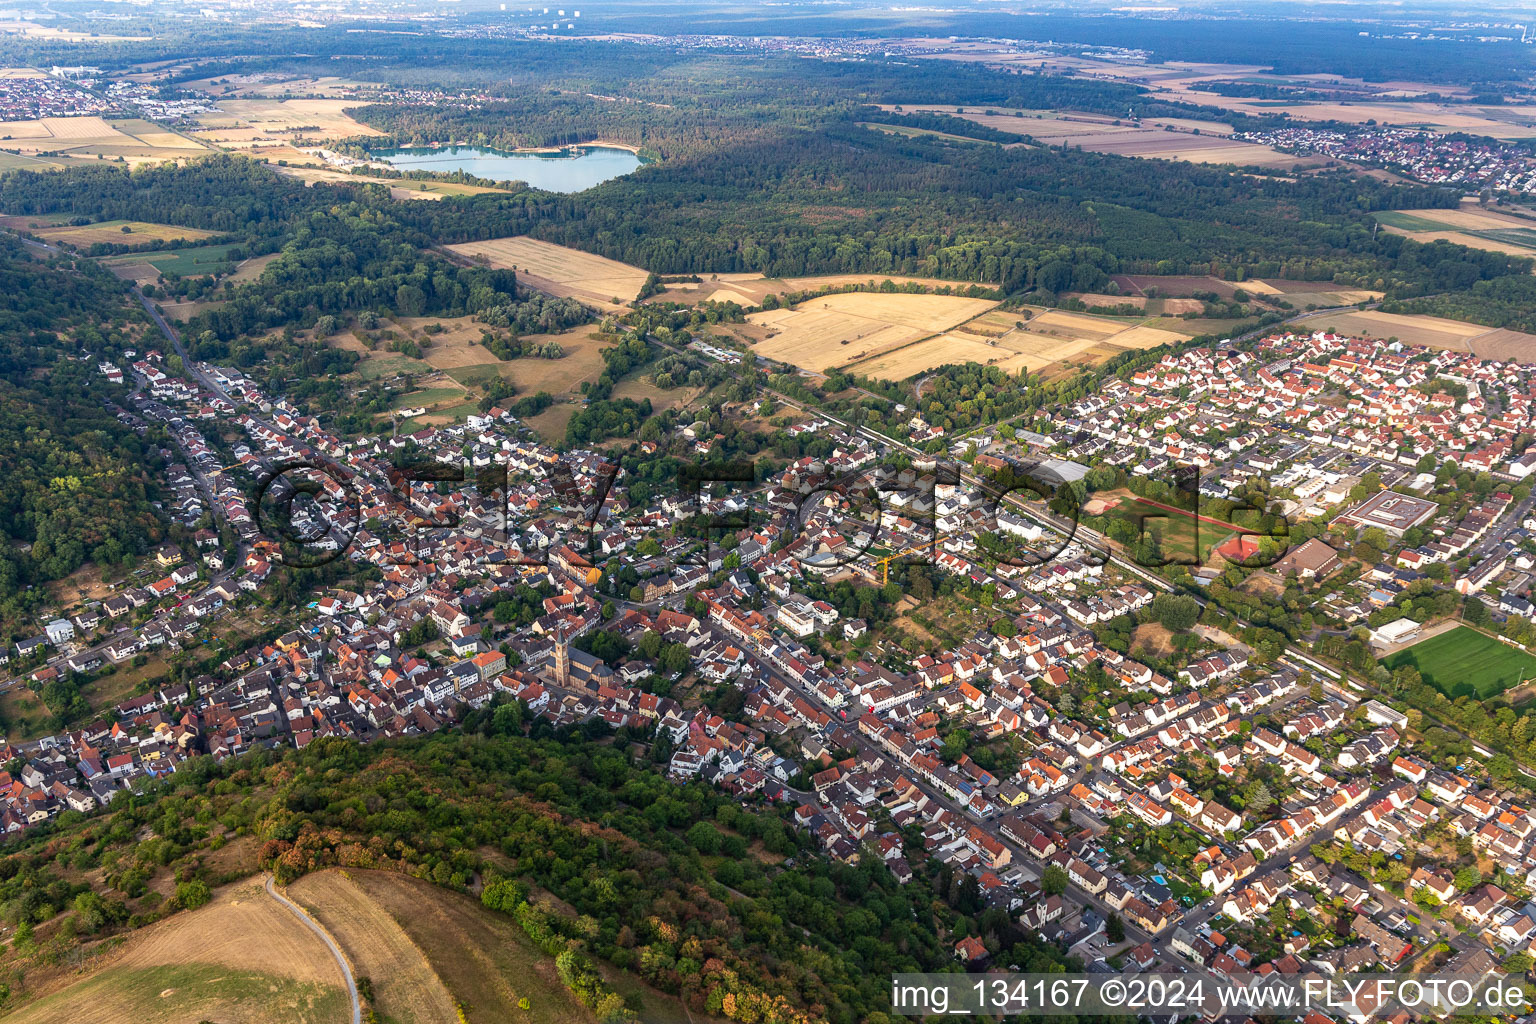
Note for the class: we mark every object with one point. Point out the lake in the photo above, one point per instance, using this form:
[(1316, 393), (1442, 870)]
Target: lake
[(567, 170)]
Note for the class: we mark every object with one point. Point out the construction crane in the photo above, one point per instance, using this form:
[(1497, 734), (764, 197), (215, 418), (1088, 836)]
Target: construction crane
[(885, 563)]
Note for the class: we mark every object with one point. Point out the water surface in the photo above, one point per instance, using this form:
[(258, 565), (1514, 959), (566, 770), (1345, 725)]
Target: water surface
[(566, 170)]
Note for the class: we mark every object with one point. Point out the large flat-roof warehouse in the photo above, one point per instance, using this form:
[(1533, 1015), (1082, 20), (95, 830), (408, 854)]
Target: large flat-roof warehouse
[(1393, 512)]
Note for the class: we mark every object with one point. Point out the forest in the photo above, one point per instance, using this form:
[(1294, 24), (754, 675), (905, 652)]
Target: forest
[(78, 481)]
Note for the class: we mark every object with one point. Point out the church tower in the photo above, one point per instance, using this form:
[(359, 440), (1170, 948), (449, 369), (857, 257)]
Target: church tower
[(562, 657)]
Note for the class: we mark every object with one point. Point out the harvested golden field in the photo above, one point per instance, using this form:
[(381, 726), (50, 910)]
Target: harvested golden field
[(1150, 143), (406, 988), (52, 33), (221, 932), (244, 124), (1513, 122), (1471, 225), (483, 959), (267, 84), (250, 270), (1051, 341), (557, 270), (243, 957), (304, 166), (135, 140), (752, 289), (1078, 326), (1471, 241), (842, 329), (1472, 217), (1101, 134), (661, 399), (112, 232), (1435, 332)]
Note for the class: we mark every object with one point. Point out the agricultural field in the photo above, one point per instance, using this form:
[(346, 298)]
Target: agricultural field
[(136, 141), (17, 162), (1465, 662), (847, 328), (884, 337), (752, 289), (1470, 225), (246, 124), (115, 232), (193, 262), (1300, 294), (301, 166), (1436, 332), (268, 84), (404, 984), (559, 271), (242, 957), (1391, 102), (1194, 141), (486, 961)]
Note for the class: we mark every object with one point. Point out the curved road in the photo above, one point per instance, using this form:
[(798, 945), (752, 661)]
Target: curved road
[(341, 961)]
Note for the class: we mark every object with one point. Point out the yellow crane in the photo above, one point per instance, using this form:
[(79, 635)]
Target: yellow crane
[(885, 563)]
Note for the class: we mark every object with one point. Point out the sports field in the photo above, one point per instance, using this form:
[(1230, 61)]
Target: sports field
[(1464, 662)]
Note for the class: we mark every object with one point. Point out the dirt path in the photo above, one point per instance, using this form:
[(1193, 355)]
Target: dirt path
[(341, 961)]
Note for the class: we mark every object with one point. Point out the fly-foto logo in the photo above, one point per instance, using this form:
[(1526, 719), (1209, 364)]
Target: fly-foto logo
[(1023, 518)]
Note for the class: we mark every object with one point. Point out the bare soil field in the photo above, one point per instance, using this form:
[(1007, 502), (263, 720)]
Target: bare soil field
[(558, 270), (1139, 284), (406, 988), (1092, 299), (1435, 332)]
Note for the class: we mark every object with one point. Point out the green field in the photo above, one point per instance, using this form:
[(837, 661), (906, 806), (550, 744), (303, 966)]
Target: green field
[(1408, 222), (1463, 662), (201, 259), (1524, 237)]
